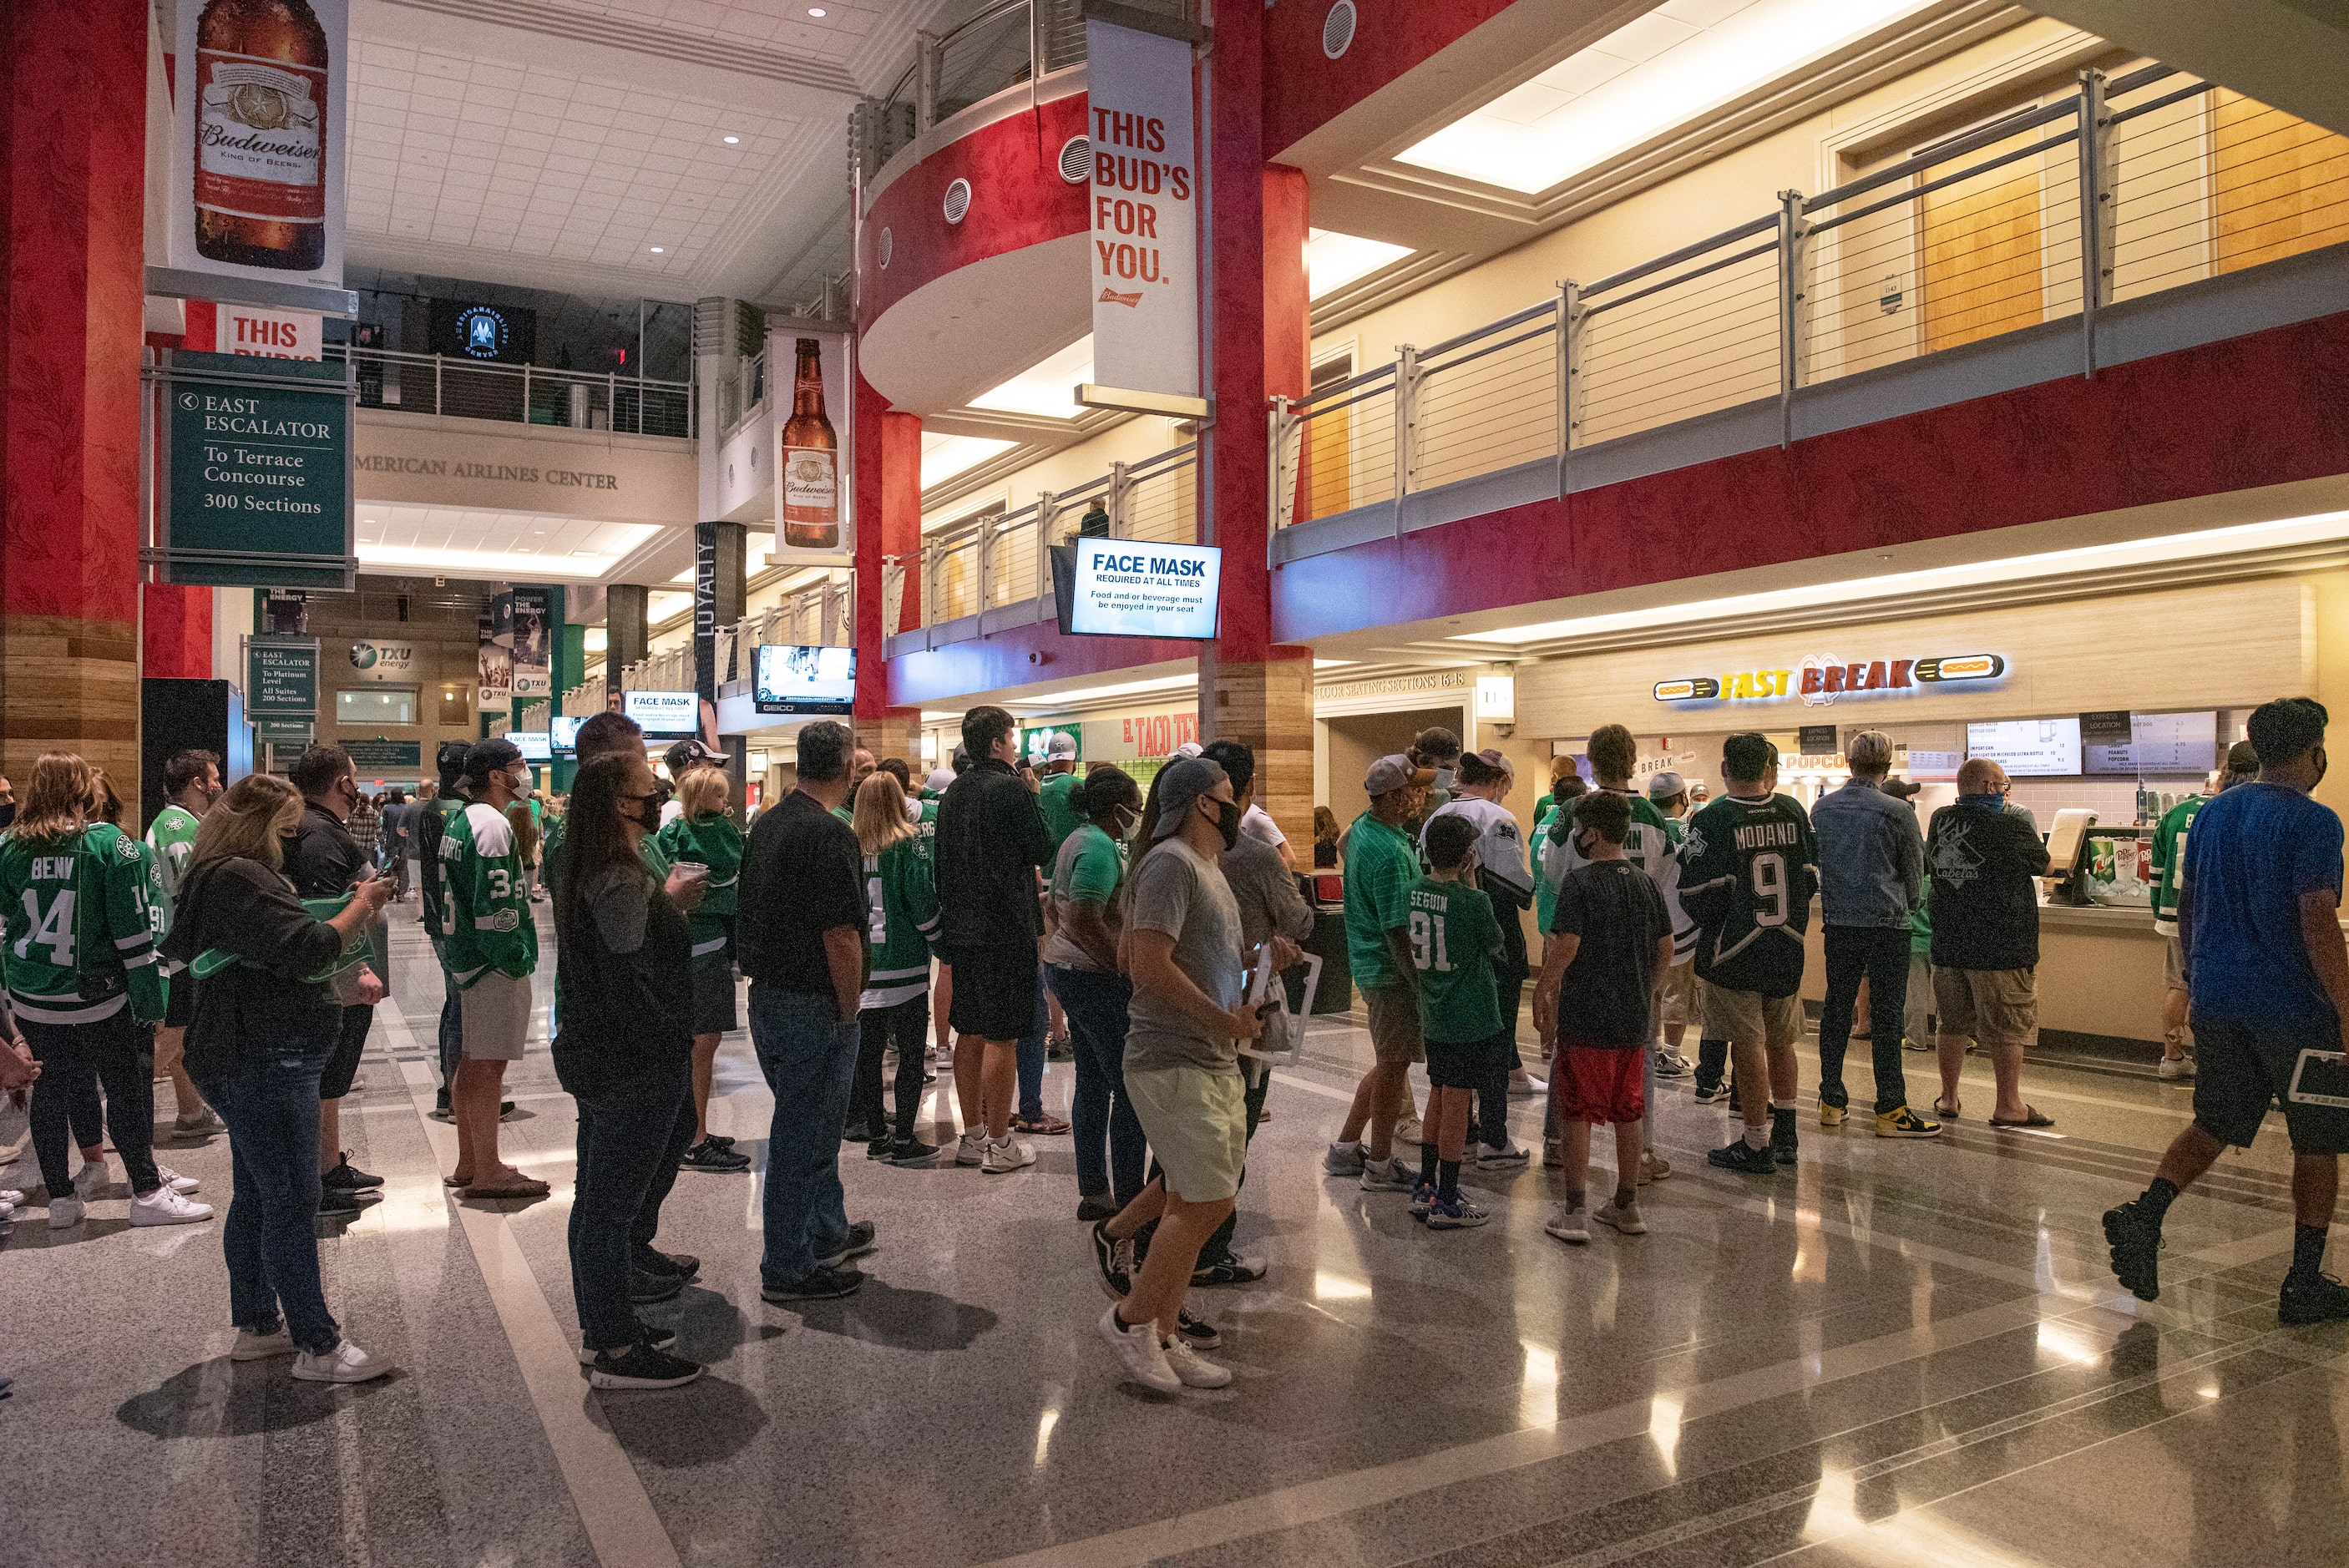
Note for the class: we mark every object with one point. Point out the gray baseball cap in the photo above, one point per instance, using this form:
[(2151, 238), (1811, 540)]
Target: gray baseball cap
[(1179, 787), (1665, 785), (1391, 773)]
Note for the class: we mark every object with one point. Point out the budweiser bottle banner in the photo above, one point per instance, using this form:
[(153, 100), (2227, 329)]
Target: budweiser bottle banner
[(807, 382), (1145, 193), (257, 150)]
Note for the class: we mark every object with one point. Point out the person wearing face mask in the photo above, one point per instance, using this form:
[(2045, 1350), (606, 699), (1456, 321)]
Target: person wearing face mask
[(326, 860), (1381, 864), (1082, 966), (492, 952), (1455, 943), (191, 782), (1437, 750), (1506, 879), (1984, 859), (7, 801)]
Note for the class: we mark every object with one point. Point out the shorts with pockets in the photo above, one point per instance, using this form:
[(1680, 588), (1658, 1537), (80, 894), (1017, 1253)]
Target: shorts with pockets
[(1470, 1065), (994, 990), (1197, 1121), (494, 1011), (1605, 1086), (1395, 1038), (1677, 1004), (2239, 1069), (714, 1010), (1749, 1016), (2173, 962), (1988, 1005)]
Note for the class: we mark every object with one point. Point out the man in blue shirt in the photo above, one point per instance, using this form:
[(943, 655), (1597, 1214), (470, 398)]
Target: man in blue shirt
[(2259, 918)]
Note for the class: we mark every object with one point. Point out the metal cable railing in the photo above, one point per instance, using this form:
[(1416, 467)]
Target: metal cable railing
[(1976, 237), (518, 394)]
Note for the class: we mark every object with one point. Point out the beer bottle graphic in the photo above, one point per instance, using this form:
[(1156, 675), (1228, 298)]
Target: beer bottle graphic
[(260, 84), (811, 472)]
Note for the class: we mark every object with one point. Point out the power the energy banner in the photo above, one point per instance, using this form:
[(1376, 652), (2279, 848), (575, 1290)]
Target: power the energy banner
[(1145, 249)]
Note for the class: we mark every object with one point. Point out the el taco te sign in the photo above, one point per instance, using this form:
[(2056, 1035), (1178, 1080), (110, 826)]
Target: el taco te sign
[(1821, 679)]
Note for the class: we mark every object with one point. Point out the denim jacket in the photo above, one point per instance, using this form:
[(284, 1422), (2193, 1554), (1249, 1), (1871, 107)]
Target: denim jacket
[(1871, 856)]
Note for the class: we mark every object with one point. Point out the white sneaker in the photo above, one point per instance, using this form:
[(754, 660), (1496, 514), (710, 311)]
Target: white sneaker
[(165, 1207), (64, 1214), (183, 1185), (252, 1346), (11, 1196), (1408, 1130), (1005, 1157), (346, 1363), (1672, 1064), (1623, 1217), (2176, 1068), (1196, 1371), (1653, 1166), (90, 1182), (1343, 1160), (971, 1148), (1139, 1353), (7, 1210), (1508, 1157), (1526, 1087), (1387, 1176), (1569, 1223)]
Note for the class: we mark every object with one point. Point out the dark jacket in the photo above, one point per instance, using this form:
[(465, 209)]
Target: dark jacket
[(991, 840), (1985, 907), (622, 1015), (322, 859), (260, 1001)]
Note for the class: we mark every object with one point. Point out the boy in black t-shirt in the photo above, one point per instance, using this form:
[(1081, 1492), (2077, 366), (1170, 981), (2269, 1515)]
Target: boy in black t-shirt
[(1610, 946)]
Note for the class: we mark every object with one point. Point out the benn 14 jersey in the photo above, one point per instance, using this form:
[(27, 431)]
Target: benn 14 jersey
[(486, 903), (73, 911), (1748, 869)]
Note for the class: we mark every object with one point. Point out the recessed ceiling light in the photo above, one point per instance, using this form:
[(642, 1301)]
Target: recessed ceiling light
[(733, 140), (815, 10), (657, 251)]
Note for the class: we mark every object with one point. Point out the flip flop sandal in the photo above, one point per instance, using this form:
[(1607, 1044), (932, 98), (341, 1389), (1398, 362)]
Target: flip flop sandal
[(526, 1187), (1045, 1127), (1947, 1113), (2032, 1116)]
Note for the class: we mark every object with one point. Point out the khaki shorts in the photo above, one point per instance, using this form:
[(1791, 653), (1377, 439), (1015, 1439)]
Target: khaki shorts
[(1197, 1121), (1395, 1038), (1678, 1001), (1749, 1016), (2173, 963), (495, 1010), (1993, 1006)]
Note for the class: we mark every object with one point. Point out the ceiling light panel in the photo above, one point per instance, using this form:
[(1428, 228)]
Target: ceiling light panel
[(1671, 65), (944, 457), (525, 546), (1048, 390), (1333, 260)]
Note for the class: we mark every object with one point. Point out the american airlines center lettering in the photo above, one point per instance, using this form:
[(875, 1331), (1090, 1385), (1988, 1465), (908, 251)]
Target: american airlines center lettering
[(1821, 679)]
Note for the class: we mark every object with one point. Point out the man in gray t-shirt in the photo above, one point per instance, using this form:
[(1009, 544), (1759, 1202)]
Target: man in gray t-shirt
[(1179, 894)]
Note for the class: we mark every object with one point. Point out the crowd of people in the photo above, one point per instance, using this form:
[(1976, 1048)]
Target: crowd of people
[(240, 949)]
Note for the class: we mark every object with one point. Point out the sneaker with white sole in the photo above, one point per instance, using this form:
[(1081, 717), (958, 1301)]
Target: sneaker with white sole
[(1343, 1160), (646, 1334), (1007, 1156), (1526, 1087), (185, 1186), (640, 1366), (1623, 1217), (1457, 1213), (1423, 1198), (64, 1214), (165, 1207), (252, 1346), (207, 1124), (971, 1148), (1411, 1130), (11, 1196), (346, 1363), (1569, 1222), (1139, 1355), (1508, 1157), (91, 1181), (1653, 1166), (1194, 1370), (1386, 1176), (1114, 1259), (2174, 1068), (1672, 1064)]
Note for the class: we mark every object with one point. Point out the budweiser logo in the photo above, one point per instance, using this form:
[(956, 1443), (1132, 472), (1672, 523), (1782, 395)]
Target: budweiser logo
[(1110, 296)]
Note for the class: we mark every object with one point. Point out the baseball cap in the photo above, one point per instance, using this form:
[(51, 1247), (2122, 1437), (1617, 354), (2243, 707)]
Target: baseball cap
[(1063, 747), (450, 760), (1902, 789), (686, 753), (1391, 773), (939, 779), (494, 755), (2242, 758), (1665, 785), (1189, 749), (1180, 785), (1500, 759)]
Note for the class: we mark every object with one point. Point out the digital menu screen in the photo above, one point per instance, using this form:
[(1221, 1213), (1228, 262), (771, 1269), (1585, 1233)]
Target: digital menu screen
[(2028, 747), (2148, 745)]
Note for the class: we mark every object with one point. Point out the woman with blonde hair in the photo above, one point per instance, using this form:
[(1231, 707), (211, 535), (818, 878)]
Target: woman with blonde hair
[(703, 833), (265, 1021), (83, 987), (895, 1004)]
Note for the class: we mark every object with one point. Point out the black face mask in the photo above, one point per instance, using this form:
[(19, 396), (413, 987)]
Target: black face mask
[(1227, 822), (8, 812)]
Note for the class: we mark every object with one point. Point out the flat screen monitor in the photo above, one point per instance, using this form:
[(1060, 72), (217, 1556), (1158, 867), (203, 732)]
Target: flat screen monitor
[(2157, 744), (790, 679), (566, 733), (2028, 747), (662, 712), (1140, 588), (534, 744)]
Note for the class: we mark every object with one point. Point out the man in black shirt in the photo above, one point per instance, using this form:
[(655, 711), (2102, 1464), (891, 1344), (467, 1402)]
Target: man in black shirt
[(1982, 858), (991, 840), (802, 919), (324, 861)]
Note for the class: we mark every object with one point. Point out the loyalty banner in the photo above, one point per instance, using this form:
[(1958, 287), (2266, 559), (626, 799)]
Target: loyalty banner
[(1145, 252)]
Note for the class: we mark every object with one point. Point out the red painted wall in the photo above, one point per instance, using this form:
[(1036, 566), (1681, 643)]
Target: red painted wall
[(1018, 199), (176, 632), (2263, 409), (1304, 89)]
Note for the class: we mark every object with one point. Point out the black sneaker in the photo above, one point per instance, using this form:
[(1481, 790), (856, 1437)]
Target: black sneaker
[(719, 1139), (1744, 1158), (650, 1333), (1231, 1268), (348, 1178), (857, 1132), (1782, 1141), (707, 1156), (643, 1289), (2134, 1237), (2312, 1298), (652, 1261), (909, 1151), (819, 1283), (860, 1241), (1113, 1258), (1192, 1331), (506, 1111), (338, 1203), (641, 1366), (1092, 1210)]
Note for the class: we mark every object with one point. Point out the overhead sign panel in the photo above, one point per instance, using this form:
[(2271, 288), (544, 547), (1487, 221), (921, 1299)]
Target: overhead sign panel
[(1144, 272), (281, 677), (661, 712), (257, 471), (1138, 588)]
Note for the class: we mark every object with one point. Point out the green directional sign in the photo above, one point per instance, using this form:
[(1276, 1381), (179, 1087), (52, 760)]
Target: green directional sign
[(372, 757), (257, 458), (282, 731), (280, 678)]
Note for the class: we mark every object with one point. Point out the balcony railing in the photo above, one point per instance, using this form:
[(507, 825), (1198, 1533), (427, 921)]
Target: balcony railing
[(519, 394), (994, 565), (1967, 241)]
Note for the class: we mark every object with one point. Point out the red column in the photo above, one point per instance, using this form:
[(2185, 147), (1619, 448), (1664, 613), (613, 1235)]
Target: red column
[(888, 523), (72, 173), (175, 631)]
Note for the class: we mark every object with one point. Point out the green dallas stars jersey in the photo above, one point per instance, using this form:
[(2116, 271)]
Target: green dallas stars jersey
[(172, 837), (485, 903), (2169, 861), (712, 840), (76, 912), (902, 926)]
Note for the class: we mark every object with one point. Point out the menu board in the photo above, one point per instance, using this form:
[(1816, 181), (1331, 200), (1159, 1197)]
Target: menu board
[(2028, 747), (2149, 744)]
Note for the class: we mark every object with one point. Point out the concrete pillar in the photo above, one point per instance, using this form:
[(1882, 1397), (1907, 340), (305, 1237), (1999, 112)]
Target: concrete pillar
[(73, 155)]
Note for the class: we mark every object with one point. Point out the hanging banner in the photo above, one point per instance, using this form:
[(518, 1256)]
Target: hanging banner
[(287, 612), (527, 644), (1145, 251), (704, 611), (256, 466), (815, 523), (258, 146), (496, 659), (253, 333)]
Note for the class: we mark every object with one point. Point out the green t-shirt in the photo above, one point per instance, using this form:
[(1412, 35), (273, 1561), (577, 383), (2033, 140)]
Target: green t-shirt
[(1089, 869), (1381, 864), (1052, 801), (1454, 938), (2169, 861)]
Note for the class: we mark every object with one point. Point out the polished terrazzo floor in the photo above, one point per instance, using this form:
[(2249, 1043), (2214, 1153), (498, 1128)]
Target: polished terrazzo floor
[(1899, 1354)]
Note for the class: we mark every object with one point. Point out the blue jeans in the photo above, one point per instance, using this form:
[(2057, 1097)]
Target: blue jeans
[(1031, 1057), (1881, 955), (269, 1099), (1096, 1005), (808, 1054), (628, 1141)]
